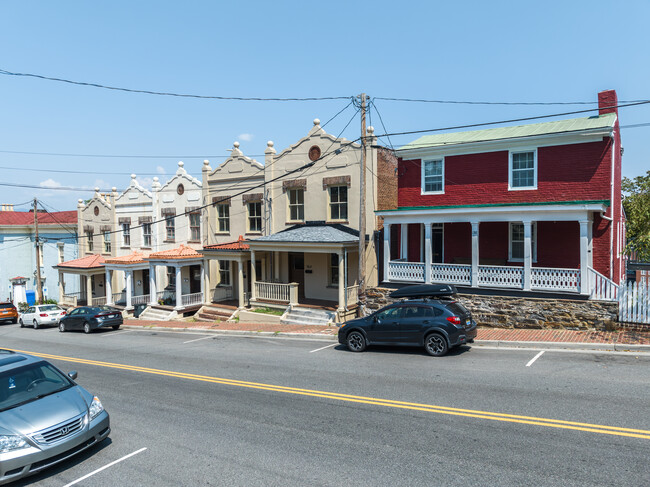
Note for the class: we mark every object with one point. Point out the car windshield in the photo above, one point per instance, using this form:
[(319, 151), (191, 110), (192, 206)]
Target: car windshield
[(49, 307), (29, 383)]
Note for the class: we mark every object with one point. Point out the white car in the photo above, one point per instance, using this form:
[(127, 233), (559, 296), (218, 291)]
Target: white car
[(42, 315)]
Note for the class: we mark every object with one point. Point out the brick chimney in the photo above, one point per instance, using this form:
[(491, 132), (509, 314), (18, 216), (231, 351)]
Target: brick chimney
[(607, 102)]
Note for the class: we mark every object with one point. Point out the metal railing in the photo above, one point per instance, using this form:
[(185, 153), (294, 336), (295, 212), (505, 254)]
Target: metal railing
[(190, 299)]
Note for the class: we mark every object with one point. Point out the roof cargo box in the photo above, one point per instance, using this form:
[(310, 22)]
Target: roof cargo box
[(425, 291)]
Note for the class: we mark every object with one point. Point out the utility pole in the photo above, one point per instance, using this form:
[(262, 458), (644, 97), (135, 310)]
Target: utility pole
[(362, 203), (39, 284)]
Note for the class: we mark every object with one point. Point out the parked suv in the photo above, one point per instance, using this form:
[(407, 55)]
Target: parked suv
[(8, 312), (428, 317)]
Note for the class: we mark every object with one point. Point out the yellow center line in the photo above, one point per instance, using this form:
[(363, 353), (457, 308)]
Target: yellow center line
[(470, 413)]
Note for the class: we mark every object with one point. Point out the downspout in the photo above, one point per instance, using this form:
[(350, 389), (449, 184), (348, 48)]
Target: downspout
[(345, 277), (611, 219)]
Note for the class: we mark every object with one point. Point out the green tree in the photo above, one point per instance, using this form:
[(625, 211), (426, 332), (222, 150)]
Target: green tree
[(636, 201)]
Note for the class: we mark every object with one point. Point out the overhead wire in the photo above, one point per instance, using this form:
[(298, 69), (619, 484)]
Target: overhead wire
[(506, 103)]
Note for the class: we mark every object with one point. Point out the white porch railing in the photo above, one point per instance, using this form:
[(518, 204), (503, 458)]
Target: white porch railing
[(352, 295), (602, 288), (142, 299), (501, 276), (451, 273), (70, 299), (406, 271), (221, 293), (272, 291), (190, 299), (99, 301), (553, 279), (119, 297)]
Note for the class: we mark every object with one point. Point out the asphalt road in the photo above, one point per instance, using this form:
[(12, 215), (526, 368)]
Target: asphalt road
[(195, 409)]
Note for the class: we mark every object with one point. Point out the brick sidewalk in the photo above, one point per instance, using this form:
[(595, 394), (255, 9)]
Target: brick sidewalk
[(497, 334)]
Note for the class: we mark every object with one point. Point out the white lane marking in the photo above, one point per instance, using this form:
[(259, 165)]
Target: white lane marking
[(323, 348), (197, 339), (104, 467), (535, 358), (116, 333)]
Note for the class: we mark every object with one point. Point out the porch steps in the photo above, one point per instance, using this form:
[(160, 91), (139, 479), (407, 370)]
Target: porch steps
[(308, 316), (156, 313), (213, 313)]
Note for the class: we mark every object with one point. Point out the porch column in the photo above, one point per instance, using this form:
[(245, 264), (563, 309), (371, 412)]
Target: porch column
[(386, 250), (240, 283), (427, 253), (202, 281), (403, 235), (528, 253), (129, 288), (179, 287), (61, 286), (109, 287), (584, 257), (152, 285), (253, 276), (276, 265), (342, 289), (475, 256), (89, 290), (205, 280)]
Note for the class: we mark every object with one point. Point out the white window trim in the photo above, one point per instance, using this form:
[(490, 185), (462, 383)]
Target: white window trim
[(289, 219), (329, 204), (422, 186), (533, 241), (522, 188), (249, 217)]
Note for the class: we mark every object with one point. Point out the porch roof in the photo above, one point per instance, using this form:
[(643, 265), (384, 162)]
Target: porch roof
[(94, 261), (313, 232), (182, 252), (237, 246), (134, 257)]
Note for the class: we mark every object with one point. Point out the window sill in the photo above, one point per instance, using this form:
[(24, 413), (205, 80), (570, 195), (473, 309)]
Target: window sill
[(169, 241), (253, 233), (125, 248), (194, 241), (297, 222), (145, 248), (425, 193), (222, 233), (338, 221), (523, 188)]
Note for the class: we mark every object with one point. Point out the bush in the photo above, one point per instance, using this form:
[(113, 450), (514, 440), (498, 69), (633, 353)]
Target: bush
[(22, 307)]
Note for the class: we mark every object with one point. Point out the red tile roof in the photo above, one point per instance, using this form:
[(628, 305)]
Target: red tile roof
[(181, 252), (238, 245), (27, 218), (94, 261), (17, 278), (134, 257)]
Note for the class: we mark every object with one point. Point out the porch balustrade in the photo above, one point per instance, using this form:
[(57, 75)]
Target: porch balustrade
[(406, 271), (191, 299), (451, 273), (167, 298), (221, 293), (142, 299), (71, 299), (272, 291), (501, 276), (119, 298), (552, 279), (99, 301), (601, 287)]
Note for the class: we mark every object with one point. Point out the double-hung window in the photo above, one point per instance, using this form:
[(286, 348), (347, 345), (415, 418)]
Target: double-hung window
[(89, 239), (338, 202), (255, 216), (334, 270), (523, 170), (296, 204), (223, 218), (170, 229), (107, 242), (516, 239), (195, 226), (224, 273), (146, 234), (433, 177), (126, 234)]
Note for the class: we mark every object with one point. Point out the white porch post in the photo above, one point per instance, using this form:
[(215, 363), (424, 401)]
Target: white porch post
[(61, 286), (528, 254), (403, 235), (475, 255), (584, 258), (276, 265), (253, 276), (152, 285), (203, 286), (179, 287), (342, 289), (240, 282), (89, 290), (129, 288), (427, 253), (386, 250), (109, 287)]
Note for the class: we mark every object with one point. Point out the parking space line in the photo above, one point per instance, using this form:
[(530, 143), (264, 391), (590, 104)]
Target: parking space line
[(532, 361), (116, 333), (104, 467), (197, 339), (323, 348)]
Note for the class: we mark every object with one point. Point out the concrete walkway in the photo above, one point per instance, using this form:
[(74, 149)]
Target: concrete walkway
[(607, 340)]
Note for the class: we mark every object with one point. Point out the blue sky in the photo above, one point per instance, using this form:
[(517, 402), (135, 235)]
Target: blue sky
[(477, 51)]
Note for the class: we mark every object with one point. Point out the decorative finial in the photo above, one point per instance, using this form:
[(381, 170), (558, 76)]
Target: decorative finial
[(96, 189), (155, 179), (317, 121), (114, 189), (371, 130), (269, 143), (236, 145), (181, 163), (132, 176), (206, 162)]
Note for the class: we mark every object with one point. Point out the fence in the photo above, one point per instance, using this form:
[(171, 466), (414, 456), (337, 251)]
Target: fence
[(634, 302)]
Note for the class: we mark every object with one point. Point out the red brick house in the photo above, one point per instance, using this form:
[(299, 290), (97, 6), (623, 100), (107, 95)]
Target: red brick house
[(531, 207)]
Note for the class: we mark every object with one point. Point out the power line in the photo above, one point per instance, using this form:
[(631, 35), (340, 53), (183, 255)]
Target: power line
[(122, 156), (483, 124), (58, 188), (67, 171), (507, 103), (161, 93)]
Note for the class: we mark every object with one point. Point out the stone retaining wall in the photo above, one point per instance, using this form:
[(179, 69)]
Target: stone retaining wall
[(524, 312)]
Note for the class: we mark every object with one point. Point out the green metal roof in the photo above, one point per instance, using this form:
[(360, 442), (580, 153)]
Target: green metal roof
[(605, 121), (487, 205)]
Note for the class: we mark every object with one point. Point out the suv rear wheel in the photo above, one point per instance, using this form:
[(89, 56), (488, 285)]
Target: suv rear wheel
[(435, 344), (356, 342)]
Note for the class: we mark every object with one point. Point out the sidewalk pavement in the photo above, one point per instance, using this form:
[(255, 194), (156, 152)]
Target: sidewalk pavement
[(622, 340)]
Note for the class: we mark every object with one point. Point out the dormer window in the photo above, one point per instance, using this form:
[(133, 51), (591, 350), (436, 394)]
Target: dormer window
[(523, 170)]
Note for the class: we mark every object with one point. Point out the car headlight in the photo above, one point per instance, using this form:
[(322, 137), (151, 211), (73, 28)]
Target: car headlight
[(95, 407), (12, 442)]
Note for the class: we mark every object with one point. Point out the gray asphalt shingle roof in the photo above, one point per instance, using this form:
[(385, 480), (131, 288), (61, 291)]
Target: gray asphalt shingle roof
[(313, 233)]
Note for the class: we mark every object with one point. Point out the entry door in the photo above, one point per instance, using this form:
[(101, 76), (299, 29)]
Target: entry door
[(195, 279), (297, 271), (437, 243), (145, 282)]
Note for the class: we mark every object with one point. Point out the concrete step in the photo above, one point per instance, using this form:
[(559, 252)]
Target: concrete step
[(306, 316), (156, 314)]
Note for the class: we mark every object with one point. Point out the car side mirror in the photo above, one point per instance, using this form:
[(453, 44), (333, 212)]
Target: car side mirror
[(72, 374), (375, 319)]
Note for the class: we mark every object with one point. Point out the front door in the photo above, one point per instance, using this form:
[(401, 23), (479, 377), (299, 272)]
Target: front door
[(437, 243), (195, 279), (297, 271), (145, 282)]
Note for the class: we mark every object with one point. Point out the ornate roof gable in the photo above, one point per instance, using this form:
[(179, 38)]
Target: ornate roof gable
[(237, 165)]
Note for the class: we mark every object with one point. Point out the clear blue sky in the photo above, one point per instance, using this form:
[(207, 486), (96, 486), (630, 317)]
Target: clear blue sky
[(554, 51)]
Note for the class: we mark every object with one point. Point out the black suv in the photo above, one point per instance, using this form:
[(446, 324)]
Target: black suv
[(428, 318)]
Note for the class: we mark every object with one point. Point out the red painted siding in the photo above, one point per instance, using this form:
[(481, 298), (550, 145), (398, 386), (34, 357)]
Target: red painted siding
[(414, 243)]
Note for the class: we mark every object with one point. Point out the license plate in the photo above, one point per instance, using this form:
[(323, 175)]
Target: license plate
[(469, 322)]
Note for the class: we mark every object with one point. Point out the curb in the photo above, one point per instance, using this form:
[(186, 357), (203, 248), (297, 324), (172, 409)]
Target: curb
[(607, 347)]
